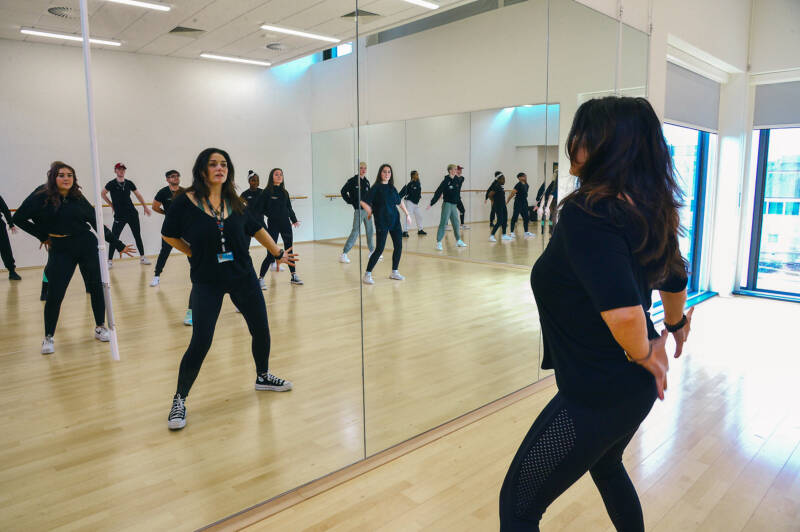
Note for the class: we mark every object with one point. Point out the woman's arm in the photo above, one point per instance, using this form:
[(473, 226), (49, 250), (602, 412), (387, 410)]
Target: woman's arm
[(367, 208), (513, 193), (179, 244), (265, 240)]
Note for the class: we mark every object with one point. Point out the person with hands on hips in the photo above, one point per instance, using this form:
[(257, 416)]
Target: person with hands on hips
[(124, 211)]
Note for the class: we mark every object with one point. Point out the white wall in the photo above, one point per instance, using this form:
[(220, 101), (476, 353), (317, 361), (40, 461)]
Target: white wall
[(153, 113), (776, 36)]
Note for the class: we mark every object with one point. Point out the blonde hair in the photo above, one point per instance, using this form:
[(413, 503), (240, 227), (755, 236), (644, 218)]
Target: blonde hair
[(451, 167), (362, 163)]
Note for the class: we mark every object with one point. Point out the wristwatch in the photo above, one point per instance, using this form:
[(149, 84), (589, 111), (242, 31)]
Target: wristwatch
[(280, 256), (677, 327)]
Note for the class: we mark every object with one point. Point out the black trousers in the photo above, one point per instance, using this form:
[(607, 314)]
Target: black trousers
[(163, 255), (65, 254), (285, 233), (567, 440), (5, 249), (501, 212), (461, 210), (206, 302), (380, 245), (520, 209), (119, 225)]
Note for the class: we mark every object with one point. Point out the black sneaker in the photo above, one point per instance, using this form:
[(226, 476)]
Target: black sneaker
[(405, 234), (421, 232), (177, 415), (13, 276), (269, 382)]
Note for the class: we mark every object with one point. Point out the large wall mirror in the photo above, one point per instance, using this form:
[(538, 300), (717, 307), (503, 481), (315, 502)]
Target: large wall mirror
[(473, 100)]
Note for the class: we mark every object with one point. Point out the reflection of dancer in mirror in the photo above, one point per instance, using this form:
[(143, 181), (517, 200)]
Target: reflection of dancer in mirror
[(210, 225), (450, 192), (617, 241), (412, 192), (5, 243), (161, 204), (520, 195), (497, 195), (381, 204), (124, 211), (350, 194), (536, 212), (275, 204), (551, 202), (253, 191), (461, 210), (61, 218)]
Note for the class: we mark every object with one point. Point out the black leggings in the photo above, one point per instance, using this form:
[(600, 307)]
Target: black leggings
[(461, 210), (65, 254), (380, 244), (119, 225), (286, 235), (5, 249), (206, 302), (567, 440), (502, 217), (520, 210), (163, 255)]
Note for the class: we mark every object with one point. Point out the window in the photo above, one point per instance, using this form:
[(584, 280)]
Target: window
[(774, 260), (337, 51)]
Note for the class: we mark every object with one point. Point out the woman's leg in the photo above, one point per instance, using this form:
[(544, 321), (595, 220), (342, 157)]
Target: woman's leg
[(250, 302), (353, 236), (494, 226), (288, 240), (454, 220), (526, 217), (163, 255), (397, 242), (417, 215), (370, 229), (514, 217), (60, 267), (116, 230), (90, 268), (206, 304), (379, 246), (269, 259), (442, 222), (503, 213)]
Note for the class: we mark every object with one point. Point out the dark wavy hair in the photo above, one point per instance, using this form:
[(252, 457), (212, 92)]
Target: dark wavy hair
[(200, 188), (380, 170), (628, 164), (51, 187), (271, 186)]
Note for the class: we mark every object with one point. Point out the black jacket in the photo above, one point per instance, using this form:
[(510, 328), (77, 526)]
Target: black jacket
[(5, 212), (350, 191), (450, 188), (276, 206), (412, 191)]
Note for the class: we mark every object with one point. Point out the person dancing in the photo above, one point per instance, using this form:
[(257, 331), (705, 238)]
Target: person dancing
[(450, 192), (412, 192), (275, 204)]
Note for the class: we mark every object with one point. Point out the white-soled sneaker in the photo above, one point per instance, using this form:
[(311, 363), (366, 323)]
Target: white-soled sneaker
[(262, 283), (344, 259), (438, 246), (368, 278), (269, 382), (512, 234), (461, 244), (110, 264), (144, 260), (506, 237), (492, 238), (155, 281), (295, 279), (48, 345), (177, 414), (528, 234), (396, 276), (102, 334)]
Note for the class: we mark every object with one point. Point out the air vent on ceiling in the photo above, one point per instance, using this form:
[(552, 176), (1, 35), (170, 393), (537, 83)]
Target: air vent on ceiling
[(63, 12), (277, 46), (363, 16), (187, 32)]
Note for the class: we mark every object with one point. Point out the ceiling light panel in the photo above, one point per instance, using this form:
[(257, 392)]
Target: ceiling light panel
[(299, 33), (66, 37), (423, 3), (138, 3), (234, 59)]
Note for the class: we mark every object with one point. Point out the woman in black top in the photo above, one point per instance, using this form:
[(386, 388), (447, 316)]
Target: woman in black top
[(5, 243), (210, 225), (275, 204), (253, 192), (617, 239), (497, 195), (412, 192), (520, 195), (381, 203), (61, 218)]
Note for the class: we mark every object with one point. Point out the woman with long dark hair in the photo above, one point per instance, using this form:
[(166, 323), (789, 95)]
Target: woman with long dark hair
[(381, 203), (61, 218), (275, 204), (616, 241), (210, 225)]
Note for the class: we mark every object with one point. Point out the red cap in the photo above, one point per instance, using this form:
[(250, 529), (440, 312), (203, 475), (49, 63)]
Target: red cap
[(120, 165), (459, 167)]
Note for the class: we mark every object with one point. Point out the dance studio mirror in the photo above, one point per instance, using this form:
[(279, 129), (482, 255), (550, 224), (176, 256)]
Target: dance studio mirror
[(373, 361)]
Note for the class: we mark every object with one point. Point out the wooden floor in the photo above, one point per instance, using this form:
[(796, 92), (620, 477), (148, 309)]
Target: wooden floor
[(84, 443), (722, 453)]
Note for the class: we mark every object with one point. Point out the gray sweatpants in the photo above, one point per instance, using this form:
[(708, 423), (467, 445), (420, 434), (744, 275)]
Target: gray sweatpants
[(360, 216)]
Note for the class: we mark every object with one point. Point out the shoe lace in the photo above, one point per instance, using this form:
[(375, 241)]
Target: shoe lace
[(178, 409), (272, 379)]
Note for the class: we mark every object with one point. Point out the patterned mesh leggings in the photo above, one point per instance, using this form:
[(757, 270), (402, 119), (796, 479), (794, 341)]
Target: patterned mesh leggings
[(566, 441)]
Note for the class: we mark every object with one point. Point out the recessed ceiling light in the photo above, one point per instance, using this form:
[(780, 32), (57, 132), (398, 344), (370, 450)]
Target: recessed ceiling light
[(234, 59), (50, 34), (137, 3), (423, 3), (299, 33)]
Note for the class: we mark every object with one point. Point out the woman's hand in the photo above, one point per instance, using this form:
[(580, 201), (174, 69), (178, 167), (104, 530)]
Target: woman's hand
[(288, 258), (658, 363), (682, 334), (408, 219), (129, 251), (296, 224)]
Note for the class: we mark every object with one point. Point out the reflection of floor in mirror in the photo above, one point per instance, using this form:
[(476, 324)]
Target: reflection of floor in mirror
[(521, 250), (86, 438), (721, 453)]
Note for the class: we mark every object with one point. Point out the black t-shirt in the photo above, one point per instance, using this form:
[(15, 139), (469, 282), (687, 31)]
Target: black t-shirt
[(412, 191), (384, 199), (165, 197), (521, 196), (249, 195), (540, 193), (499, 196), (588, 267), (187, 221), (121, 198)]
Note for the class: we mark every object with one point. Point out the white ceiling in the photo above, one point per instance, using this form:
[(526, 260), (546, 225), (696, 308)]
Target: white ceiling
[(232, 26)]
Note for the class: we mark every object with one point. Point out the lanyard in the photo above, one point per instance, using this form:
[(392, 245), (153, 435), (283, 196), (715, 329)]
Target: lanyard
[(218, 216)]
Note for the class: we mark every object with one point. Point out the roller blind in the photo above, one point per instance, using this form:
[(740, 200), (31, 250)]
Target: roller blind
[(691, 99), (777, 105)]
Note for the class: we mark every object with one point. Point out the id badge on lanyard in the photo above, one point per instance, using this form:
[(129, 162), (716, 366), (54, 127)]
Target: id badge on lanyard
[(225, 256)]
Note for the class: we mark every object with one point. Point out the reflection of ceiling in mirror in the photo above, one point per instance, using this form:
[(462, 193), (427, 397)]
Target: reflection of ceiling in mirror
[(227, 27)]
